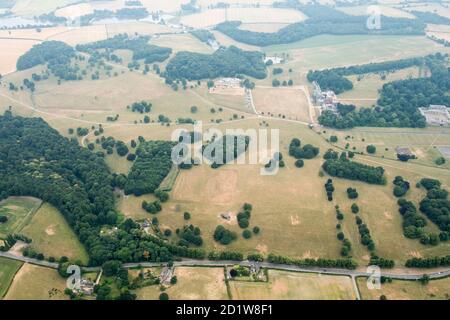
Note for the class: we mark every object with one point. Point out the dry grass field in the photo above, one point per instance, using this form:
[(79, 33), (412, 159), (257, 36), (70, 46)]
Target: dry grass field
[(8, 269), (36, 283), (284, 285), (407, 290), (182, 42), (430, 7), (365, 91), (53, 236), (33, 8), (286, 102), (226, 41), (246, 15), (439, 31), (385, 11), (11, 50), (194, 283), (19, 211)]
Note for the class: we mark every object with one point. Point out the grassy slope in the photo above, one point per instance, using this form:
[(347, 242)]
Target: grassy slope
[(8, 269)]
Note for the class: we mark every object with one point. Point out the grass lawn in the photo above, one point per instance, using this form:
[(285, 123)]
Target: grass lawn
[(8, 269), (294, 286), (407, 290), (19, 211), (193, 283), (37, 283), (53, 236)]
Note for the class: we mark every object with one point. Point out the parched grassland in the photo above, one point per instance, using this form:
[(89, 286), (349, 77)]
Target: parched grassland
[(36, 283), (8, 269), (19, 211), (430, 7), (172, 6), (37, 7), (41, 34), (407, 290), (329, 51), (285, 285), (246, 15), (194, 283), (52, 235), (289, 103), (81, 35), (439, 31), (384, 10), (366, 87), (140, 27), (226, 41), (11, 50), (182, 42)]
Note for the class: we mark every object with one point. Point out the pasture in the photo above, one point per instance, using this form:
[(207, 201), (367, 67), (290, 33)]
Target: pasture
[(366, 87), (226, 41), (8, 269), (407, 290), (19, 211), (182, 42), (384, 10), (284, 285), (36, 283), (213, 17), (53, 236), (194, 283), (285, 102), (430, 7), (33, 8)]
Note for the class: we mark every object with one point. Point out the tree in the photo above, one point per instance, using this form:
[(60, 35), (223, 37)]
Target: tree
[(256, 230), (194, 109), (164, 296), (187, 216), (173, 280), (247, 234), (355, 208), (3, 219), (371, 149), (276, 83), (111, 268), (333, 139), (299, 163)]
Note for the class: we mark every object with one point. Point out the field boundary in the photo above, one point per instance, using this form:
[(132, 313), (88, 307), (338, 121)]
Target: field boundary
[(12, 280)]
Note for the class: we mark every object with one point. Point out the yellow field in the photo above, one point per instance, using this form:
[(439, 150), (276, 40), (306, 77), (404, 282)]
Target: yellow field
[(430, 7), (407, 290), (193, 284), (288, 102), (36, 283), (37, 7), (53, 236), (226, 41), (11, 50), (384, 10), (246, 15), (439, 31), (285, 285), (182, 42)]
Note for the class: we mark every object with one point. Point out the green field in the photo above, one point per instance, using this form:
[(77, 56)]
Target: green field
[(52, 235), (36, 283), (407, 290), (285, 285), (19, 211), (8, 269)]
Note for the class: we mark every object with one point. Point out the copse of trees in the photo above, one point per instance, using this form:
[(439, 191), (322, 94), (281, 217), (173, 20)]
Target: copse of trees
[(51, 52), (189, 235), (223, 235), (413, 222), (225, 62), (321, 20), (322, 263), (401, 186), (436, 205), (152, 165), (225, 149), (296, 150), (141, 107), (428, 262), (344, 168), (203, 35)]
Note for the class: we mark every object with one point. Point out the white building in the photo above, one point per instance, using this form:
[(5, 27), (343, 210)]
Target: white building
[(327, 100)]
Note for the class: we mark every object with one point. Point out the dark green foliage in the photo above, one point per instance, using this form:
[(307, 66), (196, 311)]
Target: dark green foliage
[(141, 107), (352, 193), (203, 35), (436, 205), (323, 263), (187, 216), (138, 45), (225, 149), (224, 236), (163, 196), (299, 163), (225, 62), (131, 13), (435, 262), (412, 221), (122, 149), (164, 296), (256, 230), (381, 262), (111, 268), (152, 165), (354, 171), (308, 151), (355, 208), (151, 207), (371, 149), (401, 186), (247, 234), (190, 235), (329, 188), (51, 52)]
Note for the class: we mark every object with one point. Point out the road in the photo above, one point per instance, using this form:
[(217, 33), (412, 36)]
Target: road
[(268, 265)]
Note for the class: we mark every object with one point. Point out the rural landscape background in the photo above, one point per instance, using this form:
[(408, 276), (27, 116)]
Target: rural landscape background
[(92, 91)]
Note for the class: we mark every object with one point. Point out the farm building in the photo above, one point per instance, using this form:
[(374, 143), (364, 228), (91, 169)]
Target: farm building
[(275, 60), (230, 86), (436, 115), (327, 100)]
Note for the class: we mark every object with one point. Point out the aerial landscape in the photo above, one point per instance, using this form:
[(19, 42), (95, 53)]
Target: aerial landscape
[(224, 150)]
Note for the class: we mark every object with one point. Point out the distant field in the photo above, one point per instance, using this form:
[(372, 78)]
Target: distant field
[(37, 283), (226, 41), (182, 42), (11, 50), (327, 51), (284, 285), (19, 211), (385, 11), (246, 15), (37, 7), (53, 236), (407, 290), (193, 284), (365, 92), (288, 102), (439, 31), (81, 35), (430, 7), (8, 269)]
